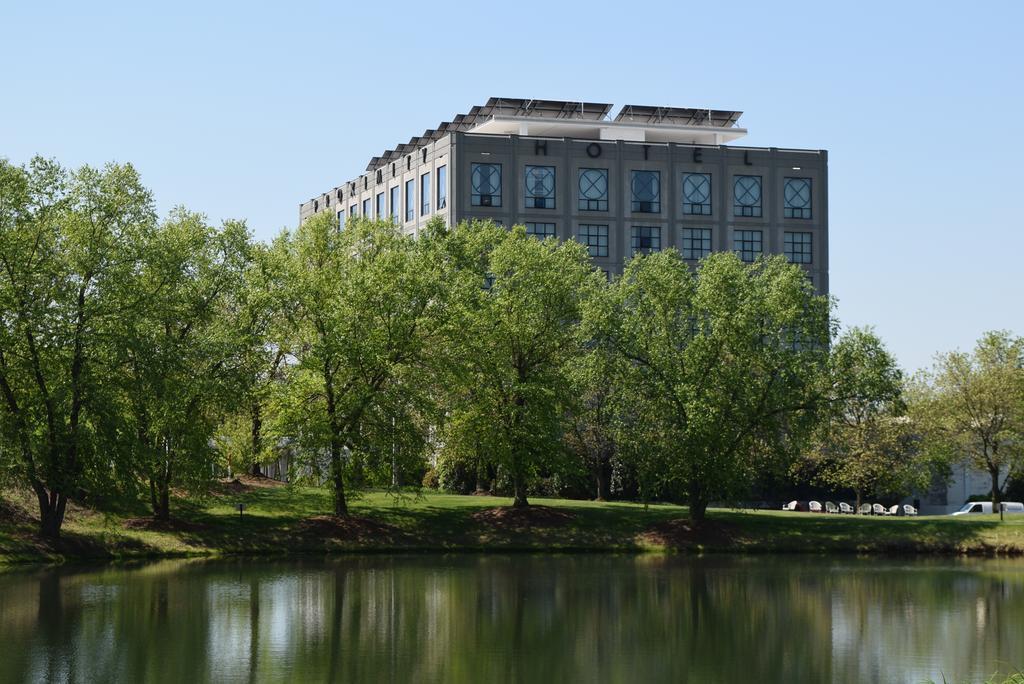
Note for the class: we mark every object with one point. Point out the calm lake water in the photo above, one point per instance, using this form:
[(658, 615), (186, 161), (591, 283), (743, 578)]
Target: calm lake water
[(468, 618)]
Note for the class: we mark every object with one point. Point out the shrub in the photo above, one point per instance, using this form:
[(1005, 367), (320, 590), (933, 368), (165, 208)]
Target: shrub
[(430, 479)]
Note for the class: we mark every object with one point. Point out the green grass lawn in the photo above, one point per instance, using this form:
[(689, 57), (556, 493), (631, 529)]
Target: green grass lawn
[(284, 519)]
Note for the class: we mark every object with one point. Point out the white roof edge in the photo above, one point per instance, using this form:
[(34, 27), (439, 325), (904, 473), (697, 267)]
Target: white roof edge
[(604, 129)]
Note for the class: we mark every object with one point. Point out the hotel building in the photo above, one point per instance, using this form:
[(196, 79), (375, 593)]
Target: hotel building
[(646, 179)]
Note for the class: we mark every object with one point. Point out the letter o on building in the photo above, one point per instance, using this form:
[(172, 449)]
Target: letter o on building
[(593, 150)]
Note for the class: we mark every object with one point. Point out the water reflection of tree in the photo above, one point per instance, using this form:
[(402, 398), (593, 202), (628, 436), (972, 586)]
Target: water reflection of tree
[(492, 618)]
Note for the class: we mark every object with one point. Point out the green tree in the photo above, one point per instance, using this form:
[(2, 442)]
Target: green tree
[(365, 305), (185, 362), (721, 369), (972, 406), (69, 249), (263, 299), (593, 416), (865, 442), (515, 330)]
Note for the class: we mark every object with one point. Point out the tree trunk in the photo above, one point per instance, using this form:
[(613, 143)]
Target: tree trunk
[(698, 504), (480, 474), (856, 507), (996, 508), (338, 480), (52, 506), (337, 467), (603, 484), (257, 438), (165, 502), (396, 479), (160, 497), (519, 487)]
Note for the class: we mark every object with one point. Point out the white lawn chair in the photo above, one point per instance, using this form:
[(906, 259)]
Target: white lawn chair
[(814, 507), (831, 507), (909, 510), (878, 509), (845, 507), (865, 509), (791, 506), (893, 510)]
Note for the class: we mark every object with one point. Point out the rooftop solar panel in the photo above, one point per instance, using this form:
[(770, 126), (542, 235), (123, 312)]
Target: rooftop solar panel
[(562, 109), (679, 116)]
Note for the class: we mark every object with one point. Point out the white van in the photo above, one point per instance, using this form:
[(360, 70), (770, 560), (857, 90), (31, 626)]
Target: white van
[(1015, 507)]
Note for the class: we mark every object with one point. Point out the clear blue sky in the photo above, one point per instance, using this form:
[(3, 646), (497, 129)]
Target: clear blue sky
[(242, 110)]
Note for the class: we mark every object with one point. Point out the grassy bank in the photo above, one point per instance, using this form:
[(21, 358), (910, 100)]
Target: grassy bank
[(280, 519)]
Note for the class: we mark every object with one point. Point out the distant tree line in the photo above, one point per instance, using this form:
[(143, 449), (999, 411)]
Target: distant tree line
[(139, 357)]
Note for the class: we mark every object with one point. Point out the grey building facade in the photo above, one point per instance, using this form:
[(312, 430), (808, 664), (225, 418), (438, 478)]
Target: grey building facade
[(650, 178)]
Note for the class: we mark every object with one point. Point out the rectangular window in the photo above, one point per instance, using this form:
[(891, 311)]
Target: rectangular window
[(797, 247), (696, 243), (425, 194), (540, 230), (442, 187), (485, 182), (797, 195), (645, 187), (396, 198), (593, 187), (747, 196), (353, 209), (540, 187), (646, 239), (410, 199), (747, 244), (595, 237), (380, 205), (341, 219), (697, 194), (366, 207)]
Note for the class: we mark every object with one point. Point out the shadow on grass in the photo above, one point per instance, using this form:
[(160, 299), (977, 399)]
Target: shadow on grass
[(488, 526), (279, 520)]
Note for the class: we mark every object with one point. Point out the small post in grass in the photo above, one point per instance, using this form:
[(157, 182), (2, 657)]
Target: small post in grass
[(241, 507)]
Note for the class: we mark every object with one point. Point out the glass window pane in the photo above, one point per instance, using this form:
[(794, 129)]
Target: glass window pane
[(797, 198), (410, 199), (645, 239), (425, 194), (747, 244), (696, 243), (485, 181), (645, 188), (747, 196), (593, 188), (442, 187), (540, 230), (797, 247), (539, 187), (595, 237), (697, 194)]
